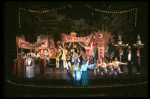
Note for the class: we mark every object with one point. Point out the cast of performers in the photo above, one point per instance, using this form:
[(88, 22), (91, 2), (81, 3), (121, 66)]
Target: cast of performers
[(29, 67), (83, 71), (116, 66), (19, 67), (42, 64)]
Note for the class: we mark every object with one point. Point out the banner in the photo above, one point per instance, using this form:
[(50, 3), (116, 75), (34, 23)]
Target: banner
[(67, 38), (27, 45)]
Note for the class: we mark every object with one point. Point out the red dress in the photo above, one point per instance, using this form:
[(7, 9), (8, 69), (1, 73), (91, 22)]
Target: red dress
[(19, 68), (42, 68)]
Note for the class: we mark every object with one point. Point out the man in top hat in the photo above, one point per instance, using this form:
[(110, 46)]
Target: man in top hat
[(129, 60)]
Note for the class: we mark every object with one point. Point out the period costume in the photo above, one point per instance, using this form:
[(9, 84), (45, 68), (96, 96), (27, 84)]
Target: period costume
[(30, 68), (76, 74), (117, 67), (110, 68), (42, 64), (103, 68), (137, 61), (65, 51), (68, 64), (18, 68), (122, 60), (130, 59), (83, 70)]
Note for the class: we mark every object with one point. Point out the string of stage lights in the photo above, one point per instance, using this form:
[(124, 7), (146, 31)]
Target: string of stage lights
[(68, 5), (102, 86), (134, 9)]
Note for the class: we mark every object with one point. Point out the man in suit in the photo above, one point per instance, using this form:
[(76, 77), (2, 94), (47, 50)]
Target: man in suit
[(137, 62), (129, 61), (122, 60)]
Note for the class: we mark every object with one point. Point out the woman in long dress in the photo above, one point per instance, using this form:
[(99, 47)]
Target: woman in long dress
[(30, 67), (42, 64), (18, 67)]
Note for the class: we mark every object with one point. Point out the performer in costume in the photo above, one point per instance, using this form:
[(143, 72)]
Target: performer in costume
[(83, 70), (76, 73), (87, 48), (53, 64), (130, 60), (57, 58), (116, 66), (30, 67), (137, 62), (68, 64), (110, 67), (18, 65), (42, 64), (89, 52), (22, 66), (65, 51), (103, 68), (122, 60)]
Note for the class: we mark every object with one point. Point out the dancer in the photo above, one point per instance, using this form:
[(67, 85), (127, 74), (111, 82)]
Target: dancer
[(30, 67), (65, 51), (89, 52), (87, 48), (122, 60), (116, 66), (68, 64), (83, 70), (103, 68), (110, 67), (57, 58), (76, 74)]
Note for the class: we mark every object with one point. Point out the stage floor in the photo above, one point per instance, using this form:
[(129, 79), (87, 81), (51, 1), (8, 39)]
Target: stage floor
[(65, 79), (61, 85)]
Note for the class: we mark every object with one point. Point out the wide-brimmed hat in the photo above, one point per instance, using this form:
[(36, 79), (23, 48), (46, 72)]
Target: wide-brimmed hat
[(84, 62)]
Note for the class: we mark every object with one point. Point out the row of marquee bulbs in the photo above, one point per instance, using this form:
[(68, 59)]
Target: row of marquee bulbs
[(116, 11), (47, 10), (111, 11), (85, 5)]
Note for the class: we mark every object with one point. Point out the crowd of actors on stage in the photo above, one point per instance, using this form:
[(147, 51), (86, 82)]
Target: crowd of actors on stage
[(76, 61)]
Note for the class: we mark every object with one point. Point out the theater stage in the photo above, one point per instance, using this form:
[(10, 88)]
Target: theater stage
[(63, 82)]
